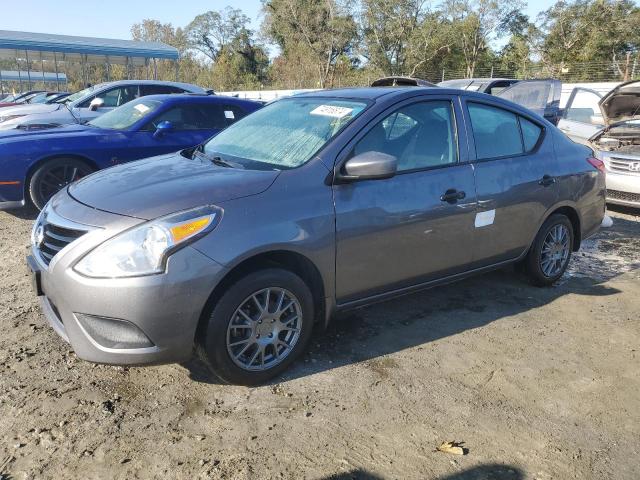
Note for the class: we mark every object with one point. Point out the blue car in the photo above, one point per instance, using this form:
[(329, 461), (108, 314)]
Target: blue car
[(36, 164)]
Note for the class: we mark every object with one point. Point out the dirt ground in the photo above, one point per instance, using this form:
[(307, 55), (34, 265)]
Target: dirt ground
[(538, 383)]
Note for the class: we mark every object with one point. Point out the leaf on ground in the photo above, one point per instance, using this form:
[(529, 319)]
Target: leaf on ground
[(454, 448)]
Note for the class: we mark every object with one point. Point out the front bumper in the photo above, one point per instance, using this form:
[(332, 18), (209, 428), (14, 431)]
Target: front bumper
[(623, 189), (166, 307)]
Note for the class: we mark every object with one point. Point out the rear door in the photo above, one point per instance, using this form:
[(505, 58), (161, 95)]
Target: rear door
[(417, 225), (515, 170), (539, 96), (582, 118)]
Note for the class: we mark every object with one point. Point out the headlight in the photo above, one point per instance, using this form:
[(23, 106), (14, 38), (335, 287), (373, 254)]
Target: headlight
[(143, 250)]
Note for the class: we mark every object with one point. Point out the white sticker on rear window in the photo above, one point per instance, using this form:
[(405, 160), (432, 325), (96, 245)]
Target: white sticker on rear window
[(229, 114), (331, 111), (141, 108)]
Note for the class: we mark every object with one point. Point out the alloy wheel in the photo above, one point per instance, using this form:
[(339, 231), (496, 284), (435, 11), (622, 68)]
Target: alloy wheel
[(264, 329), (555, 250)]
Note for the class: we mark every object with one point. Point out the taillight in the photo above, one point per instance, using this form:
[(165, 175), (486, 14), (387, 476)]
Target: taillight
[(597, 163)]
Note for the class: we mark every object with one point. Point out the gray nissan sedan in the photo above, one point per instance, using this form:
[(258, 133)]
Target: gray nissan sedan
[(315, 204)]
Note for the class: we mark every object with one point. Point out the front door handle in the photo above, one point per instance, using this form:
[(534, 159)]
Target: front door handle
[(547, 181), (452, 196)]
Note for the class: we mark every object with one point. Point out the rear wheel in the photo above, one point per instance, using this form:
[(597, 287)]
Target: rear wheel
[(550, 253), (258, 327), (52, 176)]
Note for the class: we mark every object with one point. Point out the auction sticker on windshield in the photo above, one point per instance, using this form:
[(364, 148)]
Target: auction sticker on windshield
[(142, 108), (331, 111)]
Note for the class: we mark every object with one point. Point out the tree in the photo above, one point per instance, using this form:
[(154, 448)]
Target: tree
[(316, 31), (590, 31), (516, 56), (476, 24), (213, 31)]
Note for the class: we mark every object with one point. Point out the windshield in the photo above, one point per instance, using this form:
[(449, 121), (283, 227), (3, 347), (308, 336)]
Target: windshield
[(285, 134), (123, 117), (80, 94)]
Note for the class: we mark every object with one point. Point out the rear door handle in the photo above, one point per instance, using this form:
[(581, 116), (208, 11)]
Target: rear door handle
[(452, 196), (547, 181)]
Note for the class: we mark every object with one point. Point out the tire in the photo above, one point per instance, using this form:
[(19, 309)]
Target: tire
[(52, 176), (237, 330), (548, 259)]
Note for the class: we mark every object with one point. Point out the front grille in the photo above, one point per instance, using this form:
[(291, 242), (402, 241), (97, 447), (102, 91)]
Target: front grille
[(618, 164), (54, 239), (623, 196)]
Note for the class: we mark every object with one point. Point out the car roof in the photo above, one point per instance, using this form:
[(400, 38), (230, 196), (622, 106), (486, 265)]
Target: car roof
[(365, 93), (198, 98), (187, 86)]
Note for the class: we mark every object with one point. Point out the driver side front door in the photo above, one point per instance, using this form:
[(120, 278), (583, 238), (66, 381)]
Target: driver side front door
[(416, 226)]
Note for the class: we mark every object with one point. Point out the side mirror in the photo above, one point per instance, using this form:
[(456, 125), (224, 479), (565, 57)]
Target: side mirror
[(369, 166), (162, 128), (95, 104)]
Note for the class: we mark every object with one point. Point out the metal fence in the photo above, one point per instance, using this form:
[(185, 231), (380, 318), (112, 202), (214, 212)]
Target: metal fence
[(570, 72)]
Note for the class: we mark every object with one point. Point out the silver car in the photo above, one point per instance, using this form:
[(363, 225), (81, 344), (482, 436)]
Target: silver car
[(611, 126), (88, 104), (313, 205)]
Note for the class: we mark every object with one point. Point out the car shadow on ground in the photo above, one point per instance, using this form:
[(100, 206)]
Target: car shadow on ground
[(24, 213), (481, 472), (420, 318)]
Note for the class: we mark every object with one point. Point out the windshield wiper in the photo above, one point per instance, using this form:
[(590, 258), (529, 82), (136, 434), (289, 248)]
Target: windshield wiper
[(216, 160)]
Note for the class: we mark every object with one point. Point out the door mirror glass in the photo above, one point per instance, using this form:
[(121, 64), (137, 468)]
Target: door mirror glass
[(162, 128), (95, 104), (370, 166)]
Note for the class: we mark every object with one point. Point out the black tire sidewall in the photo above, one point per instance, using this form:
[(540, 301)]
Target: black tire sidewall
[(38, 175), (533, 259), (213, 344)]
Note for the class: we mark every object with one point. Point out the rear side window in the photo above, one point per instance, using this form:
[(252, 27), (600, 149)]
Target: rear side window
[(159, 89), (500, 133), (199, 117)]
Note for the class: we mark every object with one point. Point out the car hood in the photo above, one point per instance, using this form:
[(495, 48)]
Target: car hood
[(622, 103), (161, 185), (29, 109), (42, 134)]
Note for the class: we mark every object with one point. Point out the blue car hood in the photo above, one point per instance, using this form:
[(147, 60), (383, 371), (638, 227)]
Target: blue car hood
[(55, 132), (161, 185)]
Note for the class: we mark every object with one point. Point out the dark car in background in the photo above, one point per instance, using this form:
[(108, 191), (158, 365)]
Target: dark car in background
[(35, 165), (492, 86), (315, 204)]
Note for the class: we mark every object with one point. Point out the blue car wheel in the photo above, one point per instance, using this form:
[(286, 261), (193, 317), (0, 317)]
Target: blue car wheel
[(53, 176)]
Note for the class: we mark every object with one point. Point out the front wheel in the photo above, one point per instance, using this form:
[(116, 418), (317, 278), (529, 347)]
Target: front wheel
[(258, 327), (52, 176), (550, 253)]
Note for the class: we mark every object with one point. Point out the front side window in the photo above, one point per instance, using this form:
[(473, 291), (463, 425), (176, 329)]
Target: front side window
[(125, 116), (115, 97), (422, 135), (584, 107), (285, 134)]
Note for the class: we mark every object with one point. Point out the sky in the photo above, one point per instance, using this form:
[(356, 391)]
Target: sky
[(114, 18)]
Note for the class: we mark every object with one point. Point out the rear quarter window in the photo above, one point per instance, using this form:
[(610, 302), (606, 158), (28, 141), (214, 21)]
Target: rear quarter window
[(530, 134)]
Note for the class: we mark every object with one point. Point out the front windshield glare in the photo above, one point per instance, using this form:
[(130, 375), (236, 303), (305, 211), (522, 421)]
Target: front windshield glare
[(285, 134), (126, 115)]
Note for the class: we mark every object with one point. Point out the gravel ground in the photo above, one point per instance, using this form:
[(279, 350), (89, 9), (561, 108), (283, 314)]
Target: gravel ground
[(538, 383)]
